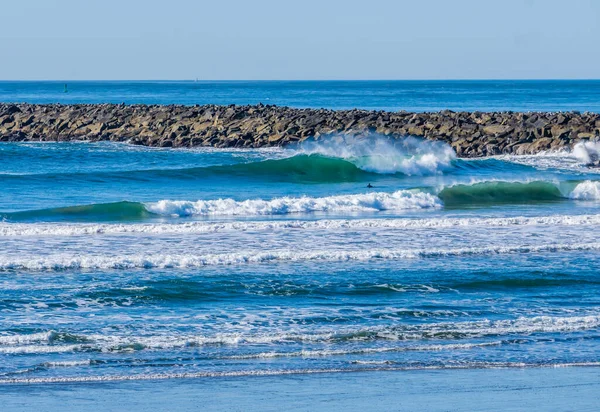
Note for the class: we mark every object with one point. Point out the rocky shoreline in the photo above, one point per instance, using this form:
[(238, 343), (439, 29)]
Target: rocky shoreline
[(471, 134)]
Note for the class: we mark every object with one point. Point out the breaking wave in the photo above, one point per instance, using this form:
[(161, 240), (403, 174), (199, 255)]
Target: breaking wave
[(409, 156), (60, 262), (587, 152), (588, 190), (459, 195), (28, 229), (332, 160), (412, 335), (367, 202)]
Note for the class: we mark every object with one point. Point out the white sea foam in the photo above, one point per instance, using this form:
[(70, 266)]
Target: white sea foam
[(409, 156), (59, 262), (36, 349), (364, 351), (67, 364), (587, 152), (406, 333), (588, 190), (366, 202), (72, 229), (27, 338)]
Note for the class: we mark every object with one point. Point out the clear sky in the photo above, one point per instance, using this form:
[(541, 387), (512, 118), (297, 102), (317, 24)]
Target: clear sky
[(299, 39)]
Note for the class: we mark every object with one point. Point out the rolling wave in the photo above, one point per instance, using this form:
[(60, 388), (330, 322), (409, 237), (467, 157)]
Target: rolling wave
[(125, 211), (325, 161), (455, 196), (499, 192), (61, 262), (298, 168), (69, 229), (409, 333), (366, 202)]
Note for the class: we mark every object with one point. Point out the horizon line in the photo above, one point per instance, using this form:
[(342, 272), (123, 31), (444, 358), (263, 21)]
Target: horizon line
[(194, 80)]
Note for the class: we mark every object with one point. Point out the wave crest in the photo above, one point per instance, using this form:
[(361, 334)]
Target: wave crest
[(588, 190), (367, 202), (60, 262), (409, 156), (587, 152)]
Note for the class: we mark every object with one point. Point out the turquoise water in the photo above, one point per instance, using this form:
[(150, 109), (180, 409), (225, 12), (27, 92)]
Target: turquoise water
[(120, 262), (131, 263)]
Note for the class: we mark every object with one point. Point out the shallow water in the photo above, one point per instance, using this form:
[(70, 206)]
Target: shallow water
[(122, 262)]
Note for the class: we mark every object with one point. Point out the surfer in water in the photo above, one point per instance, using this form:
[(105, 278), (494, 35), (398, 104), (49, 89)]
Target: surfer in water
[(369, 186)]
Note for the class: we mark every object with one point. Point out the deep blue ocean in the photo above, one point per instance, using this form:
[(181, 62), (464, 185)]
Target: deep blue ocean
[(417, 95), (121, 262)]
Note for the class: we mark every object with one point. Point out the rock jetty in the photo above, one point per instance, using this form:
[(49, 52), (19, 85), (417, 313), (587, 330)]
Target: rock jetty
[(471, 134)]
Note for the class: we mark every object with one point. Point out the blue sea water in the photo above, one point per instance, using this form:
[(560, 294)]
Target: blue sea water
[(122, 262), (417, 95)]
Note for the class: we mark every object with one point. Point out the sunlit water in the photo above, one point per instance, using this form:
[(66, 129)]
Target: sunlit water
[(121, 262), (417, 95)]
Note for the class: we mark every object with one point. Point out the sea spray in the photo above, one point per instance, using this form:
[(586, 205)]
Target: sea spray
[(365, 202), (587, 152), (378, 154), (588, 190)]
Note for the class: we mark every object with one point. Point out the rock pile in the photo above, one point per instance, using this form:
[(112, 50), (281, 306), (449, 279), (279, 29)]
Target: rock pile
[(471, 134)]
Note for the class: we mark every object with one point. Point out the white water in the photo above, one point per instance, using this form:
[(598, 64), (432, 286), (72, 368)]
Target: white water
[(60, 262), (409, 335), (587, 190), (587, 152), (40, 229), (409, 156), (366, 202)]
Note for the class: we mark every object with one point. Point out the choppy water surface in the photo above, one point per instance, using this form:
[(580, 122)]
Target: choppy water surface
[(121, 262)]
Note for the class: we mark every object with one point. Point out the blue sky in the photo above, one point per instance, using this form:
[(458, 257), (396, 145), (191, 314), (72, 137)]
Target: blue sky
[(308, 39)]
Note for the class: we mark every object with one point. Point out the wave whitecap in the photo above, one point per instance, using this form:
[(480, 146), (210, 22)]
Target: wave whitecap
[(458, 195), (449, 331), (588, 190), (60, 262), (408, 156), (28, 229), (366, 202)]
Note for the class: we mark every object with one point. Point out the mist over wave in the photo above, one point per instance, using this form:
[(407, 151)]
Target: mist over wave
[(409, 156), (587, 152)]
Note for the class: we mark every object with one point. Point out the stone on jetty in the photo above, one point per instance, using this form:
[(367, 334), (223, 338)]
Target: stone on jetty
[(471, 134)]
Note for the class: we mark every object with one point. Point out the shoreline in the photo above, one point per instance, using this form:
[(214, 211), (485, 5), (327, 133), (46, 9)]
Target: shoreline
[(470, 389), (470, 134)]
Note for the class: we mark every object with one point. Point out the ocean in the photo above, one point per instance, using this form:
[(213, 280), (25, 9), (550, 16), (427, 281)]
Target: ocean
[(356, 258)]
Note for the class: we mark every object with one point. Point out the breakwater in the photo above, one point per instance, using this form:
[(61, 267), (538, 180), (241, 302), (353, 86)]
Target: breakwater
[(471, 134)]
